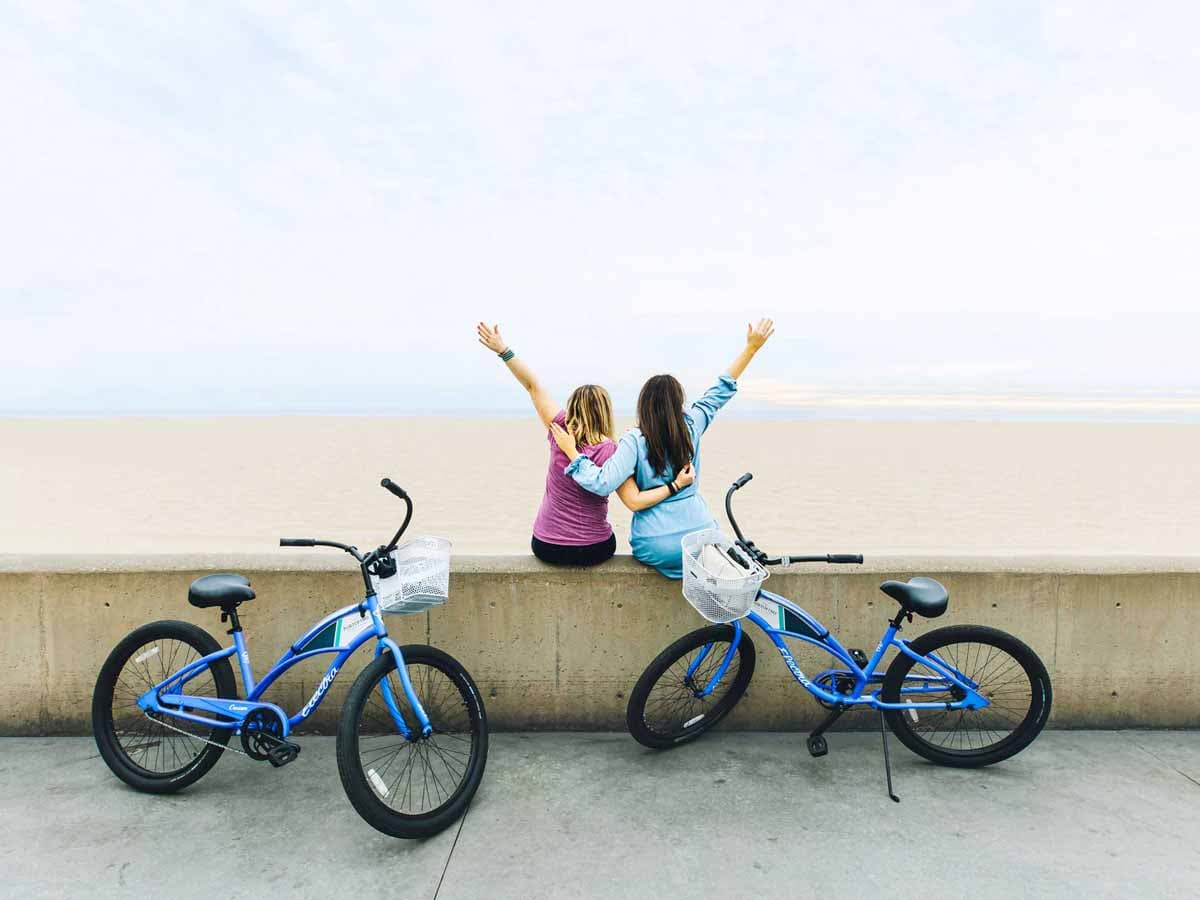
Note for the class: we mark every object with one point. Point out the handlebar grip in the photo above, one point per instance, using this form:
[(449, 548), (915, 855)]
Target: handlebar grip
[(845, 558), (742, 481), (394, 488), (297, 542)]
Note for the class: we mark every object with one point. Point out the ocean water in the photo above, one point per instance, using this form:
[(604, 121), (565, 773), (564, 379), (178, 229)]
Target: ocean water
[(238, 483)]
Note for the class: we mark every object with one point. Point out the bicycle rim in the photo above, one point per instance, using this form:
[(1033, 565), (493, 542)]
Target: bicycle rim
[(672, 708), (421, 777), (1012, 691), (151, 748)]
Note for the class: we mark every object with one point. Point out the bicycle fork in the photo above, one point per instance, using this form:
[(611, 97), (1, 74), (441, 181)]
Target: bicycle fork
[(410, 694), (700, 693)]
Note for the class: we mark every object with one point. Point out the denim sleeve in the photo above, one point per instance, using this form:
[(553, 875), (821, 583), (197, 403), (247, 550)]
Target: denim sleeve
[(605, 479), (704, 410)]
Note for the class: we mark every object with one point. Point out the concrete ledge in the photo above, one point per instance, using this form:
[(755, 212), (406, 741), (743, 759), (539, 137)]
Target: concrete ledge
[(328, 560), (560, 648)]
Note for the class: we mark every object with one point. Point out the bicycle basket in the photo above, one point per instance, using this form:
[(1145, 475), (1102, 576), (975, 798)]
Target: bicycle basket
[(717, 586), (422, 577)]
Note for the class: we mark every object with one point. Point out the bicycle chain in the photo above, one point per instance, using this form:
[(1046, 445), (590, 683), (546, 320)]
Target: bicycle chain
[(197, 737)]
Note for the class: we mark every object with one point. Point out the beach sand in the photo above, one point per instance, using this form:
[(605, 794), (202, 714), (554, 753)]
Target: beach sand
[(236, 484)]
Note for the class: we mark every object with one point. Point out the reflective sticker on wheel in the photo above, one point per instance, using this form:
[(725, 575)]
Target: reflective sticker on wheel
[(377, 781), (145, 656), (912, 713), (690, 722)]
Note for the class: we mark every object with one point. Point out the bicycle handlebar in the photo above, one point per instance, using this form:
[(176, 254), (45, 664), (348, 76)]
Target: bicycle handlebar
[(399, 492), (394, 489), (835, 558)]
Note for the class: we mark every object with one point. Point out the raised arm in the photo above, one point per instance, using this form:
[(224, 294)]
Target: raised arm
[(756, 336), (636, 500), (543, 403), (602, 480), (705, 409)]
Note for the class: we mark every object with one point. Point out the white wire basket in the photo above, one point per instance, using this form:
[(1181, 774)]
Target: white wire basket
[(717, 586), (422, 578)]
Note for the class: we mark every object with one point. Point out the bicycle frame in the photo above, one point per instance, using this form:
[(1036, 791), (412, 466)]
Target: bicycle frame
[(819, 636), (166, 697)]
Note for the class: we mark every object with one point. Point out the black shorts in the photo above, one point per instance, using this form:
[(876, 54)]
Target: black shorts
[(574, 555)]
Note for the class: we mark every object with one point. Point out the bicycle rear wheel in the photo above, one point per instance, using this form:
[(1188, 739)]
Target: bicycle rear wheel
[(664, 709), (1007, 672), (413, 788), (163, 754)]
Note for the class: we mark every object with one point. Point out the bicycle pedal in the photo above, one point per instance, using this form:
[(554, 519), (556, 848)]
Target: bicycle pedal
[(817, 745), (859, 657), (283, 753)]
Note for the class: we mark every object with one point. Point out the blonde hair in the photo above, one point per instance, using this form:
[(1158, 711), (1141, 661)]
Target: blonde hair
[(589, 414)]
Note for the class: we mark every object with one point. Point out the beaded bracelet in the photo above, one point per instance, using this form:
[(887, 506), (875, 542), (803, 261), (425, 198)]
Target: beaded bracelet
[(506, 355)]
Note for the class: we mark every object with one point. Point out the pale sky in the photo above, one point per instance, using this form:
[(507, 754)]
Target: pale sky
[(244, 207)]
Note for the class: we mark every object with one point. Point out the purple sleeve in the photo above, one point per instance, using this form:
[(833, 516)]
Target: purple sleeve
[(603, 452), (560, 418)]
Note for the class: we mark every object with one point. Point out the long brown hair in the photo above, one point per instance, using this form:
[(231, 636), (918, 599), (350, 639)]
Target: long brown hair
[(589, 414), (660, 416)]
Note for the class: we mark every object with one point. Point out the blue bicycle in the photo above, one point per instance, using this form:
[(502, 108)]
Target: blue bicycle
[(965, 695), (412, 740)]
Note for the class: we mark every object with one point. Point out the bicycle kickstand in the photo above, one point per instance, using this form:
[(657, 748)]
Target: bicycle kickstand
[(887, 757)]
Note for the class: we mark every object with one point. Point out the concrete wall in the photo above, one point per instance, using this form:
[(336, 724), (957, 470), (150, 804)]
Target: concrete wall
[(557, 648)]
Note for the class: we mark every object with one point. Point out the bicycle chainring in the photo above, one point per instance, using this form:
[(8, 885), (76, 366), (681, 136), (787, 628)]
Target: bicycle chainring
[(261, 730), (840, 683)]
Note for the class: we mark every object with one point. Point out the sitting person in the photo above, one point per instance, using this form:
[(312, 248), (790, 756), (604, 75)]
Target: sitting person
[(665, 444), (572, 526)]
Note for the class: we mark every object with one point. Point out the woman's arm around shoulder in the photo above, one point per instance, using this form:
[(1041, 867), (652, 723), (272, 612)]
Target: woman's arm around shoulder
[(636, 500), (543, 403), (602, 480)]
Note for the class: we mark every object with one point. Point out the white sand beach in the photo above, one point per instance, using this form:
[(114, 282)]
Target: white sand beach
[(236, 484)]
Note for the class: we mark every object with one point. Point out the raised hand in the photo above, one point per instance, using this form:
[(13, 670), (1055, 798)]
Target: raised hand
[(756, 335), (489, 336)]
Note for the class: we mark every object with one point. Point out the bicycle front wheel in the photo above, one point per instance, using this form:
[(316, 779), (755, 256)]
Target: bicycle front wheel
[(413, 788), (1005, 670), (665, 708)]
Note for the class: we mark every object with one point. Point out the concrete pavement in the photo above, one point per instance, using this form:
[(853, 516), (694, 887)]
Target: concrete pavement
[(568, 815)]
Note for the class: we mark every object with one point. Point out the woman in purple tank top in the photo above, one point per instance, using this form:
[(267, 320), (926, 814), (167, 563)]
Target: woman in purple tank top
[(572, 527)]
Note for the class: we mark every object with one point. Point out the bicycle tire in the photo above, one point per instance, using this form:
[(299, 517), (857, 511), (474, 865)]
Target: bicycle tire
[(117, 684), (366, 780), (687, 716), (998, 662)]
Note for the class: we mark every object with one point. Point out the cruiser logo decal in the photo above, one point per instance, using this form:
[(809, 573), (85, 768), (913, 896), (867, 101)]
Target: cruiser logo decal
[(320, 691), (791, 664)]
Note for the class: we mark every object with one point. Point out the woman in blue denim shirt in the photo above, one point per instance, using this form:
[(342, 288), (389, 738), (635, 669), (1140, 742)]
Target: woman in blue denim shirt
[(666, 440)]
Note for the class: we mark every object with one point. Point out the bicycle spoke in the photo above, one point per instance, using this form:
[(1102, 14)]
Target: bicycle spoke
[(999, 677), (672, 702), (147, 742), (421, 775)]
